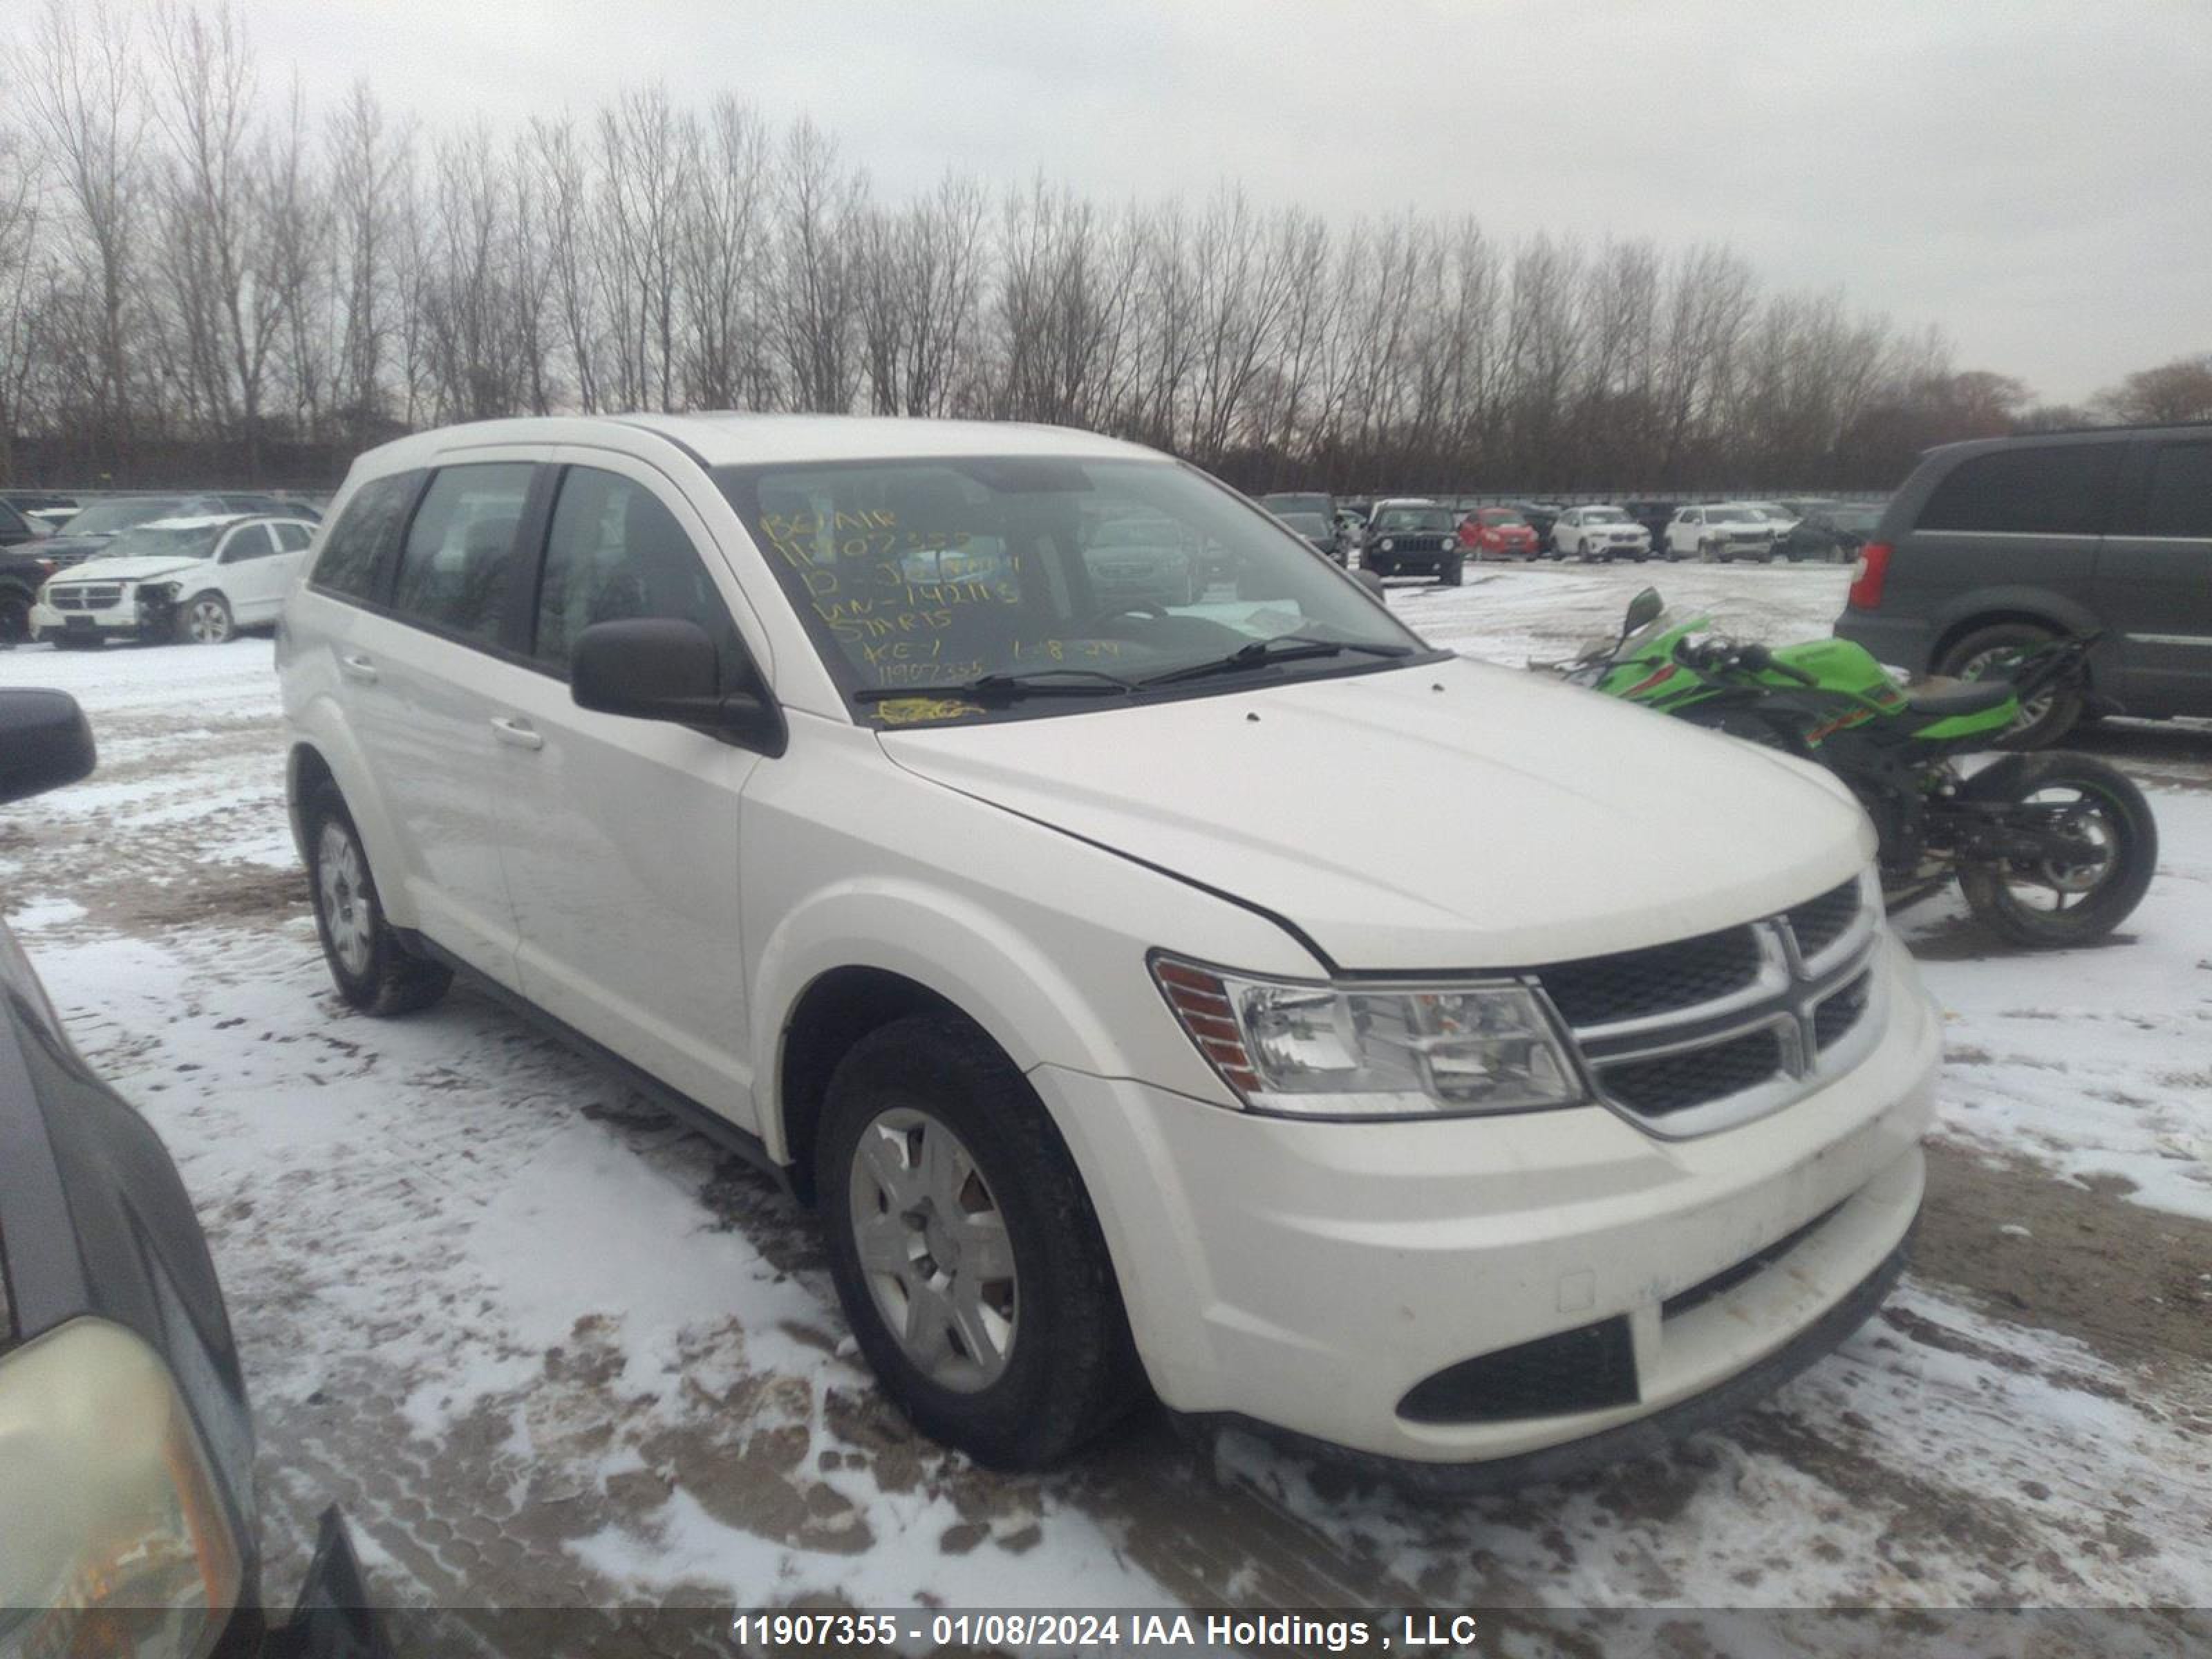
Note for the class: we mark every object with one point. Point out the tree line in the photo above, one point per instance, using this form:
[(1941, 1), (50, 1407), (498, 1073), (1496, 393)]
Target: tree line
[(199, 272)]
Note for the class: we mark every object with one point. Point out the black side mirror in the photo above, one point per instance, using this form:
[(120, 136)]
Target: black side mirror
[(664, 668), (45, 743)]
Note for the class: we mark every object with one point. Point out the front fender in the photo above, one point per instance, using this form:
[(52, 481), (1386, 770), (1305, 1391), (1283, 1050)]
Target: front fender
[(1007, 983), (319, 725)]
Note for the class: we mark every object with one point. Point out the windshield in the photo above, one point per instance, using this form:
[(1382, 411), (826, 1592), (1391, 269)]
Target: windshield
[(1735, 512), (163, 542), (1306, 524), (1603, 515), (1288, 502), (935, 574), (1412, 518), (1500, 517), (104, 518)]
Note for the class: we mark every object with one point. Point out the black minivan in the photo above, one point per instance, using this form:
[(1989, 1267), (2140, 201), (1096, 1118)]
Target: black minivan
[(2008, 541)]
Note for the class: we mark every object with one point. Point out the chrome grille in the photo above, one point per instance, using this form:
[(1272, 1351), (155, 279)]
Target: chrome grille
[(96, 597), (1819, 923), (1668, 1083), (1710, 1031), (1638, 984)]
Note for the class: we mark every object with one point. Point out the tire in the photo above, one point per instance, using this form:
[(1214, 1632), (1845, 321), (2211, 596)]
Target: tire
[(1066, 1369), (373, 969), (2122, 823), (14, 619), (2043, 721), (205, 619), (1452, 573), (1708, 555)]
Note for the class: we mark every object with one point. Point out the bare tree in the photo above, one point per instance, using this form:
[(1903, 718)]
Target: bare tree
[(86, 93), (820, 205)]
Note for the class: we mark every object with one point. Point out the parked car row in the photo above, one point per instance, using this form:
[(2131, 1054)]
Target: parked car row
[(1795, 529)]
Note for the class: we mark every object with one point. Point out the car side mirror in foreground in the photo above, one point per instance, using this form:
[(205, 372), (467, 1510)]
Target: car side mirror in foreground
[(664, 668), (45, 743)]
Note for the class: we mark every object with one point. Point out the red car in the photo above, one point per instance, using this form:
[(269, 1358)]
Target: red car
[(1498, 532)]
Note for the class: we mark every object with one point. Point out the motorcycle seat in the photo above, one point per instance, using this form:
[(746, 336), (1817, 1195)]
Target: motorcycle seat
[(1948, 699)]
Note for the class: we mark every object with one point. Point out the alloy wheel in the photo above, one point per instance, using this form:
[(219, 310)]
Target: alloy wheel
[(207, 622), (934, 1249), (349, 913)]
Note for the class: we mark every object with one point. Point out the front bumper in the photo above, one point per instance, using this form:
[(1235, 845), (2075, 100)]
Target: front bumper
[(122, 620), (1305, 1276)]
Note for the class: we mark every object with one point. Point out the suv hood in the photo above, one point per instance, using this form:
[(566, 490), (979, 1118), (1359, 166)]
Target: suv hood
[(125, 571), (1441, 815)]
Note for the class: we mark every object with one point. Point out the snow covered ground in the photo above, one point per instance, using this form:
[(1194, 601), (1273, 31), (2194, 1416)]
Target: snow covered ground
[(547, 1347)]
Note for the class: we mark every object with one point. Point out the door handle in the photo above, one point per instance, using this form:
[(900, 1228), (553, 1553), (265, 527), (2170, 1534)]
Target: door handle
[(517, 733), (358, 668)]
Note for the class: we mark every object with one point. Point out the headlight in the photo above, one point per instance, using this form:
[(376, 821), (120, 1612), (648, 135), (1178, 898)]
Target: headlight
[(1352, 1050), (112, 1539), (1382, 546)]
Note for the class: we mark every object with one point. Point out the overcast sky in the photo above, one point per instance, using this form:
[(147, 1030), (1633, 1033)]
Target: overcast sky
[(2035, 176)]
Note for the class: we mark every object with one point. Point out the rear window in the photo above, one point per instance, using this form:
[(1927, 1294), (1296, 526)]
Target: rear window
[(2180, 502), (2039, 490), (353, 552)]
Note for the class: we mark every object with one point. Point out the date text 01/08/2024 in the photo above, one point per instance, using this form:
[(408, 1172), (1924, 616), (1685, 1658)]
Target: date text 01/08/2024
[(1079, 1632)]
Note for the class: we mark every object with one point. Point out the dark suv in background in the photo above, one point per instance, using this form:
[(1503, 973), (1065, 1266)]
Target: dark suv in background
[(2008, 541)]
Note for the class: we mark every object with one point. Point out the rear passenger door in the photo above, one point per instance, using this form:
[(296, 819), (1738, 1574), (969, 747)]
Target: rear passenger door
[(2154, 577), (622, 852), (428, 669)]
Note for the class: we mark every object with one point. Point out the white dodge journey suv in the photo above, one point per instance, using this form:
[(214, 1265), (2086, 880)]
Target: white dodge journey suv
[(1220, 991)]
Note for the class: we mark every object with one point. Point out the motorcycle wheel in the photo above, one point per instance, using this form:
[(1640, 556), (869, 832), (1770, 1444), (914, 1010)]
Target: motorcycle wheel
[(2046, 905)]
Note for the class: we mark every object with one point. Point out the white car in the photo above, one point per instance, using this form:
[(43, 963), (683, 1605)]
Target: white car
[(1039, 939), (198, 579), (1722, 531), (1599, 533)]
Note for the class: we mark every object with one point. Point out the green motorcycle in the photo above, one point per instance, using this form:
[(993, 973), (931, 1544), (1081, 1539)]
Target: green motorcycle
[(2050, 849)]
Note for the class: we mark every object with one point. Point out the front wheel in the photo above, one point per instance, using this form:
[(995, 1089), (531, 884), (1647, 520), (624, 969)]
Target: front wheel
[(964, 1249), (14, 619), (205, 619), (2102, 843)]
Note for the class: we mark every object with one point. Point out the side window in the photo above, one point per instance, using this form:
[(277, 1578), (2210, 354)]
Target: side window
[(2041, 489), (354, 552), (291, 538), (2180, 502), (454, 568), (614, 552), (249, 541)]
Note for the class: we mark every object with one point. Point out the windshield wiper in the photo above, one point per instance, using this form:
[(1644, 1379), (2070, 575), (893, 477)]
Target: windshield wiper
[(1283, 647), (1023, 682)]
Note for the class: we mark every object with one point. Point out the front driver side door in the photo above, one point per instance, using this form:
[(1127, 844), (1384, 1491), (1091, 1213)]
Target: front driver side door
[(622, 848)]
